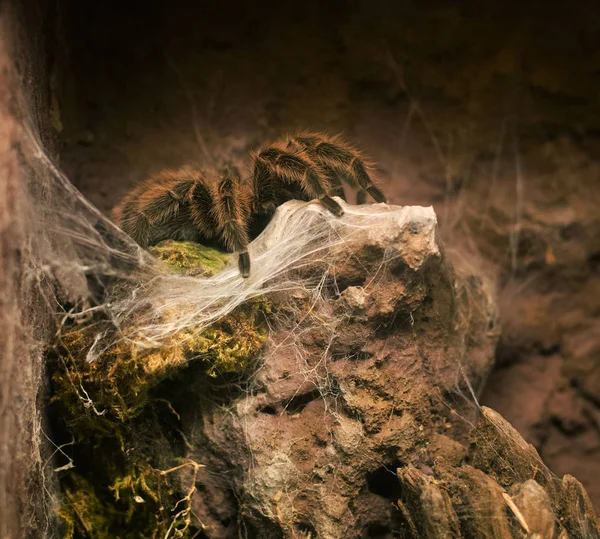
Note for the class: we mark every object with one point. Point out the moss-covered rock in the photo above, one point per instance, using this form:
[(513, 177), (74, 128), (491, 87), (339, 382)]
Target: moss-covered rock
[(100, 395), (124, 478)]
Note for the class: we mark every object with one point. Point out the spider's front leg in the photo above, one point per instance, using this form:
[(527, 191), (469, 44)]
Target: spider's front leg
[(340, 161), (282, 173), (231, 210)]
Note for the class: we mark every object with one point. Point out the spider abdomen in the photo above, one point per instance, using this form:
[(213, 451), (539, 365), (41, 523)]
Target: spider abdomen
[(161, 208)]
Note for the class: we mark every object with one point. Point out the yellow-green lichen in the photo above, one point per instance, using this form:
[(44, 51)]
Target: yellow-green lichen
[(136, 505), (233, 342)]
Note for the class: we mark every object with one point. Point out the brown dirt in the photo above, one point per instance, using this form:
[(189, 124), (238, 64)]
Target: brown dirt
[(476, 110)]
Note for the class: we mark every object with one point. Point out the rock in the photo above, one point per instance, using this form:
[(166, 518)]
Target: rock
[(428, 505), (579, 518), (535, 506), (359, 378), (358, 419)]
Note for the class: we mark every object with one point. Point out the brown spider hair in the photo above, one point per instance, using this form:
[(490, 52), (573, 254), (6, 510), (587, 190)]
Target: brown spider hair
[(204, 206)]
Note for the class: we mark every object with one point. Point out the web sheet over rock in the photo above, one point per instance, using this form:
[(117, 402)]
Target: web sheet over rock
[(162, 303)]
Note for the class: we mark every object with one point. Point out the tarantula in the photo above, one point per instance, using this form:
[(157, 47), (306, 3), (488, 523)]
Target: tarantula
[(204, 206)]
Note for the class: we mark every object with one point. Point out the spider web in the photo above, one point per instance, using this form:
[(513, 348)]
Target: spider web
[(79, 248)]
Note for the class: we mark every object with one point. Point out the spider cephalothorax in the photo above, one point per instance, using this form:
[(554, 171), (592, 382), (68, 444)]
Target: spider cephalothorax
[(198, 205)]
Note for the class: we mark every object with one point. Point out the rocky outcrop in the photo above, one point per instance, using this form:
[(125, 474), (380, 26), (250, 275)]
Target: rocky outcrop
[(373, 370), (361, 420)]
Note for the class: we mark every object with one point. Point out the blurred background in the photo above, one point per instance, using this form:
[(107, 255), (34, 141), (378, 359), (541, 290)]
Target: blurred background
[(488, 110)]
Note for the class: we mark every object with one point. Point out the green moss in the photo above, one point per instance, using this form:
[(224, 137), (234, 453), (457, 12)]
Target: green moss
[(99, 396), (82, 511), (111, 409), (136, 505), (233, 342), (191, 257)]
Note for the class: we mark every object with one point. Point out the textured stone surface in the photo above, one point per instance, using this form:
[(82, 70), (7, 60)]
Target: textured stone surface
[(356, 381)]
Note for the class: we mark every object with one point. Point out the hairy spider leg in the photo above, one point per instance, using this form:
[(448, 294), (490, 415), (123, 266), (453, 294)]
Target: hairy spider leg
[(202, 200), (336, 187), (342, 160), (232, 213), (282, 165)]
